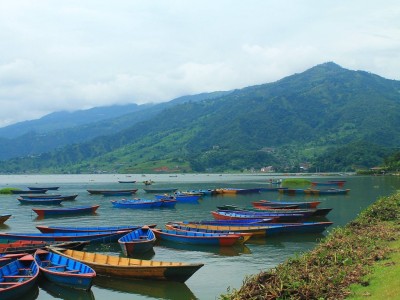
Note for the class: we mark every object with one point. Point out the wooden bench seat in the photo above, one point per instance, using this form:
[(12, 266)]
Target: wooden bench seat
[(56, 266), (72, 271)]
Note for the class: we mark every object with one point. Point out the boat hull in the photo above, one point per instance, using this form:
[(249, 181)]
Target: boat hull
[(66, 211), (120, 267), (137, 241)]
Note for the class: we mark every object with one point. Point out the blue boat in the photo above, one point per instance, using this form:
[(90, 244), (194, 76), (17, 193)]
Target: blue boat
[(83, 209), (137, 241), (64, 271), (196, 238), (93, 237), (233, 215), (168, 203), (136, 203), (18, 278), (51, 188), (54, 229), (49, 196), (238, 222), (272, 204), (19, 192), (180, 198), (160, 190), (41, 201)]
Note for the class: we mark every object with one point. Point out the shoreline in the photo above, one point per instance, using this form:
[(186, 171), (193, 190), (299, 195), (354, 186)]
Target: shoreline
[(342, 258)]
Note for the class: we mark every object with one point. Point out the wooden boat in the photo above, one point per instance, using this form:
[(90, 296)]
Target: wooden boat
[(307, 204), (117, 193), (227, 191), (148, 182), (179, 198), (137, 241), (292, 192), (329, 191), (168, 203), (64, 271), (99, 192), (257, 222), (84, 209), (49, 196), (40, 201), (54, 229), (50, 188), (121, 267), (328, 183), (245, 235), (196, 238), (160, 190), (4, 218), (232, 215), (314, 212), (20, 192), (126, 181), (263, 229), (18, 277), (93, 237), (136, 203), (28, 246), (7, 258)]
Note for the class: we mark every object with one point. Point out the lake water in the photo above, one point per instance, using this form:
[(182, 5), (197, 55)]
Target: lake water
[(224, 267)]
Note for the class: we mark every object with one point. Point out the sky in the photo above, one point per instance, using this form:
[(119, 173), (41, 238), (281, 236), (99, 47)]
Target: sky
[(71, 55)]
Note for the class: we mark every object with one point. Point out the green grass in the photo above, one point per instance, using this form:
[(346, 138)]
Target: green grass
[(383, 282), (296, 182), (6, 191)]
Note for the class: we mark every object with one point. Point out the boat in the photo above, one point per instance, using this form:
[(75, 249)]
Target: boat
[(28, 246), (179, 198), (196, 238), (126, 181), (83, 209), (160, 190), (64, 271), (261, 229), (122, 267), (168, 203), (136, 203), (4, 218), (148, 182), (93, 237), (137, 241), (328, 183), (116, 193), (100, 192), (304, 204), (50, 188), (278, 216), (54, 229), (40, 201), (328, 191), (258, 222), (49, 196), (20, 192), (245, 235), (292, 192), (7, 258), (18, 278)]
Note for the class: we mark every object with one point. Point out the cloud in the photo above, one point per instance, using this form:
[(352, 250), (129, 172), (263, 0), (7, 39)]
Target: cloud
[(69, 55)]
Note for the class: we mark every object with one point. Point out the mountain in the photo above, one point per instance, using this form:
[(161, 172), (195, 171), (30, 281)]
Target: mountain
[(327, 117), (64, 128)]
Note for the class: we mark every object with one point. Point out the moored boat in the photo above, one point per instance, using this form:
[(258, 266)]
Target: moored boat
[(20, 192), (277, 216), (100, 192), (179, 197), (121, 267), (18, 277), (93, 237), (40, 201), (329, 191), (126, 181), (50, 188), (64, 271), (196, 238), (28, 246), (54, 229), (137, 241), (49, 196), (136, 203), (83, 209), (160, 190), (4, 218), (245, 235), (304, 204)]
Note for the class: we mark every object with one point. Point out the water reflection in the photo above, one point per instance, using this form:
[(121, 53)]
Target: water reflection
[(157, 289), (234, 250), (32, 294), (62, 292)]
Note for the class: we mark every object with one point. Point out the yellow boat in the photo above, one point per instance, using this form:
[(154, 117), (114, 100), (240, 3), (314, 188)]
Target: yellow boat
[(122, 267)]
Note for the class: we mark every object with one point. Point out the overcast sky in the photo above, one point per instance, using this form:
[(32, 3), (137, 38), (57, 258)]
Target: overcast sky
[(70, 55)]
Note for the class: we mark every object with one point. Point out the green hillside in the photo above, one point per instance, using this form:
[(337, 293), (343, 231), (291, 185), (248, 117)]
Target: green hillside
[(328, 117)]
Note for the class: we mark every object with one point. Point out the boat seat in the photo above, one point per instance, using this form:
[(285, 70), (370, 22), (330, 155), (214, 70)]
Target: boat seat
[(9, 283), (56, 266), (143, 237), (72, 271), (17, 276)]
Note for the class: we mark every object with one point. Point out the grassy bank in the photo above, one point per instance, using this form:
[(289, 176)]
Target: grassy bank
[(343, 258)]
